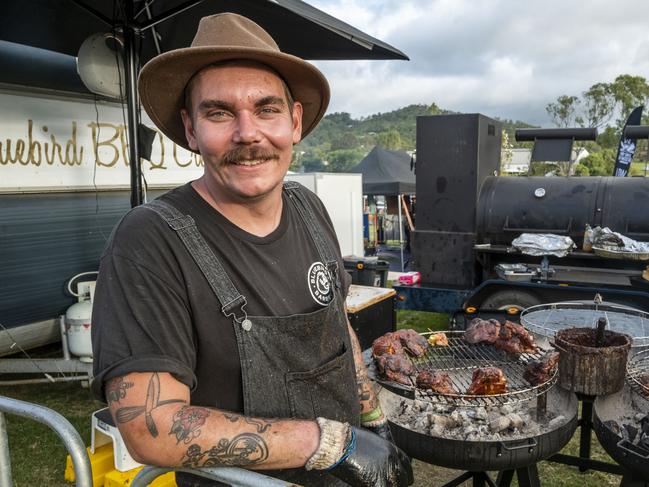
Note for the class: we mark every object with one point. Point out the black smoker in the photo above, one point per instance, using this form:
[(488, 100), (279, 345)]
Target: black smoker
[(461, 202)]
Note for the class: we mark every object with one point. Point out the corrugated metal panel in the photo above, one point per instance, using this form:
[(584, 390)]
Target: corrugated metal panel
[(45, 239)]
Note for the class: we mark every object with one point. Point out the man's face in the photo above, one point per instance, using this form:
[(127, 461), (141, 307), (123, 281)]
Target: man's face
[(241, 124)]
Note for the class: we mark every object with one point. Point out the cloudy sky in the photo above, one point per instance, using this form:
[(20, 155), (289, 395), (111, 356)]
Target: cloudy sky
[(502, 58)]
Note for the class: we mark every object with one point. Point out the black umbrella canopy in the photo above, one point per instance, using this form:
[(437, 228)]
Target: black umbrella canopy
[(150, 27), (386, 172), (298, 28)]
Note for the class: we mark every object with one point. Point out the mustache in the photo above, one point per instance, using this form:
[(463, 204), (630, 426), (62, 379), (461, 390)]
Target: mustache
[(239, 154)]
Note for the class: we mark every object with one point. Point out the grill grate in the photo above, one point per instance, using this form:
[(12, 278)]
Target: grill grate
[(547, 319), (636, 366), (460, 358)]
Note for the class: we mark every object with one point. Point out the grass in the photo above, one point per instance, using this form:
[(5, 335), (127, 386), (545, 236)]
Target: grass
[(38, 456)]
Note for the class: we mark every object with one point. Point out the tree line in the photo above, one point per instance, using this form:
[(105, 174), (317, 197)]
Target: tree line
[(340, 142)]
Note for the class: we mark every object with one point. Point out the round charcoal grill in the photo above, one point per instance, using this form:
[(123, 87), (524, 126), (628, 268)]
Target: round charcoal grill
[(460, 359), (545, 320), (612, 413), (515, 454)]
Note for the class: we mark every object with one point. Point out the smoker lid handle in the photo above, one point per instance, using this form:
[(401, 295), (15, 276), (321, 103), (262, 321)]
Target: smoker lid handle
[(623, 445)]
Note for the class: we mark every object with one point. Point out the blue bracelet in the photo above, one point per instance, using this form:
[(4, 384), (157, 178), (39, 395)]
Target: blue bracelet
[(349, 449)]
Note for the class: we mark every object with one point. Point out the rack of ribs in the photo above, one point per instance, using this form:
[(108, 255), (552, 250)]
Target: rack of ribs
[(436, 381), (487, 381), (540, 371), (413, 342), (396, 368)]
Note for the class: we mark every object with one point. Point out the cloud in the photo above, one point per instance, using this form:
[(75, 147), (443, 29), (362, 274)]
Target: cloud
[(504, 58)]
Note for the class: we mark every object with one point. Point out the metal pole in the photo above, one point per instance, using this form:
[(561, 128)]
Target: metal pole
[(62, 427), (132, 62), (400, 232), (5, 461), (237, 477)]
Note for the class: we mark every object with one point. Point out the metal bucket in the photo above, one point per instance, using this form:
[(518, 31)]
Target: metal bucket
[(587, 369)]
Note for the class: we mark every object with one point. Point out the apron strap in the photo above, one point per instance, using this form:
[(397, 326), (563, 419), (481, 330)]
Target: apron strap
[(185, 226), (295, 192)]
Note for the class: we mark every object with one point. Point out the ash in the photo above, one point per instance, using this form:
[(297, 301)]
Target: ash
[(491, 423)]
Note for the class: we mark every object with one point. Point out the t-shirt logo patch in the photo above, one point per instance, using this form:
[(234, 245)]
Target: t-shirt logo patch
[(320, 284)]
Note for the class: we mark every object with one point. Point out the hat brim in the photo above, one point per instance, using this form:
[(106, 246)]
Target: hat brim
[(162, 83)]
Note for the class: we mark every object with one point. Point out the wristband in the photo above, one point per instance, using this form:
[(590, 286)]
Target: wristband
[(349, 449), (372, 415)]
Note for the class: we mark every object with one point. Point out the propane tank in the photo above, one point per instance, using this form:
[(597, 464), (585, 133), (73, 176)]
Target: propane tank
[(78, 319)]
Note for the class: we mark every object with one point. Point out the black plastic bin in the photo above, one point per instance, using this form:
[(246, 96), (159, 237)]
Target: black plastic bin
[(367, 271)]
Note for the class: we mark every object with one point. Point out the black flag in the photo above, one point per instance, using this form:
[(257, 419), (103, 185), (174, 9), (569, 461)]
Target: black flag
[(626, 147)]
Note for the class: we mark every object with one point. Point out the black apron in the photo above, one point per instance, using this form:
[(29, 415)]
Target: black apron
[(298, 366)]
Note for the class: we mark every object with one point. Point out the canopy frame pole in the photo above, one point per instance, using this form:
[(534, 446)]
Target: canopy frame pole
[(400, 232)]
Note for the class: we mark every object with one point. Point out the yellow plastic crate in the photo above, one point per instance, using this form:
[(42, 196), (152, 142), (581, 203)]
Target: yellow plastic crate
[(124, 479), (101, 462), (104, 474)]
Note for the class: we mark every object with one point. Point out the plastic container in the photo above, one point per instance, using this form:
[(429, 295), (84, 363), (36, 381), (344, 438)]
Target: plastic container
[(367, 271)]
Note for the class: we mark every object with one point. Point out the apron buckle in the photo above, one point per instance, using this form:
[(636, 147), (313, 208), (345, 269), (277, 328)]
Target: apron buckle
[(243, 320)]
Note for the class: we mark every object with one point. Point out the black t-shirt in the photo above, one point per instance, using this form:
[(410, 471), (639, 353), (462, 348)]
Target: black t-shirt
[(154, 310)]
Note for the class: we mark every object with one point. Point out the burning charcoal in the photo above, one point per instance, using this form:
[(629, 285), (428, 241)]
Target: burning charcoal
[(644, 425), (556, 422), (444, 422), (500, 424), (516, 421), (479, 414), (422, 423), (456, 417), (629, 432), (613, 426), (437, 430), (506, 409)]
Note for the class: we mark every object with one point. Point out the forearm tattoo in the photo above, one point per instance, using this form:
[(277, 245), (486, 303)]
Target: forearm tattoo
[(118, 387), (262, 425), (243, 450), (364, 386), (187, 423)]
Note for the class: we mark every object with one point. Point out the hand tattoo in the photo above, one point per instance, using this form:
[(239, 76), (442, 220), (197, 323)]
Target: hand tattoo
[(243, 450), (262, 425), (187, 423), (152, 401)]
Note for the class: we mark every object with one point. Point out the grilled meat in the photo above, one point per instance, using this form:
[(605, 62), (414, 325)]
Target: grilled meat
[(438, 340), (482, 331), (539, 371), (436, 381), (515, 339), (487, 381), (387, 344), (396, 368), (413, 342)]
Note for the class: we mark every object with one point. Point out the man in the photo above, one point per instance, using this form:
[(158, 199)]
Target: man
[(219, 330)]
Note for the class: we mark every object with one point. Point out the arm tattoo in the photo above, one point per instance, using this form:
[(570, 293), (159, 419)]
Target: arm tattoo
[(243, 450), (116, 389), (187, 423), (152, 401), (262, 425)]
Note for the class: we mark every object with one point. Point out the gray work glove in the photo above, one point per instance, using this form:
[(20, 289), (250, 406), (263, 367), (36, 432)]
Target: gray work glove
[(372, 461)]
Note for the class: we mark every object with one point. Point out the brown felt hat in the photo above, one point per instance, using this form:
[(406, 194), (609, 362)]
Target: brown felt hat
[(224, 37)]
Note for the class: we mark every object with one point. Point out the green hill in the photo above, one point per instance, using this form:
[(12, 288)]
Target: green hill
[(340, 141)]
